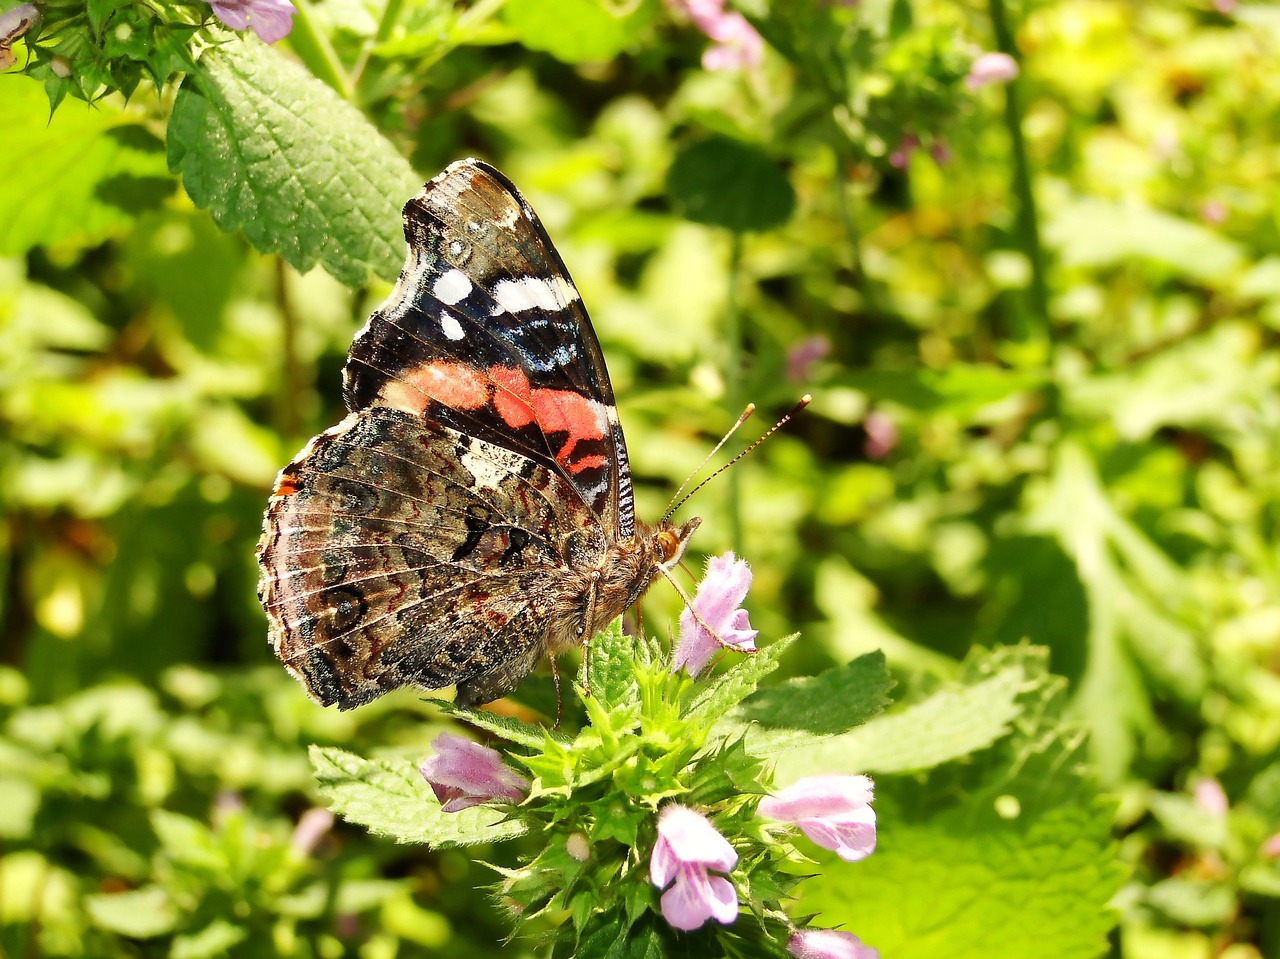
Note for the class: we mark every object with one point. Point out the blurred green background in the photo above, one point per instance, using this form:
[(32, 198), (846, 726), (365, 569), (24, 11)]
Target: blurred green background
[(1039, 321)]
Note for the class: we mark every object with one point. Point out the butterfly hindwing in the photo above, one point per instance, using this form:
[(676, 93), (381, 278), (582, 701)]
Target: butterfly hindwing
[(405, 552), (485, 333)]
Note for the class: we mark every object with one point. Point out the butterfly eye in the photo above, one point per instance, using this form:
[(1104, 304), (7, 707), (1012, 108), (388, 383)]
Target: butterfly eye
[(669, 545)]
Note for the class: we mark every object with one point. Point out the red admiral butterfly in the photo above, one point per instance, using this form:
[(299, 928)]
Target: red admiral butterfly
[(474, 511)]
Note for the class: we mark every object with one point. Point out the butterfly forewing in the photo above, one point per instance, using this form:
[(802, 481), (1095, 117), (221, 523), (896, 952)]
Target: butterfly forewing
[(486, 333)]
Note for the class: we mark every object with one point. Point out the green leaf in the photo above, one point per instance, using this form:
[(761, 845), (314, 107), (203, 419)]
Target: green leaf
[(731, 687), (1194, 902), (390, 798), (611, 667), (273, 151), (1016, 838), (187, 841), (19, 801), (212, 941), (813, 708), (949, 724), (609, 936), (75, 179), (1044, 887), (138, 914), (578, 31), (723, 182), (1092, 233), (505, 727)]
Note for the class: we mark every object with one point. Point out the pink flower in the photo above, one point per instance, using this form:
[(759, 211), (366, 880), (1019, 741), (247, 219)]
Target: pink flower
[(717, 602), (1271, 847), (899, 158), (805, 353), (828, 944), (833, 811), (271, 20), (1213, 212), (882, 435), (1210, 796), (688, 847), (991, 68), (737, 44), (312, 827), (464, 774)]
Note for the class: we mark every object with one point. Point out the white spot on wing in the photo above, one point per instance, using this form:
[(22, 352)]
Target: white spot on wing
[(451, 287), (450, 326), (490, 465), (530, 292)]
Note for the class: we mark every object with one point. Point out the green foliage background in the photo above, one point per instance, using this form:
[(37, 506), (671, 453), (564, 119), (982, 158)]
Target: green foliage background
[(1047, 411)]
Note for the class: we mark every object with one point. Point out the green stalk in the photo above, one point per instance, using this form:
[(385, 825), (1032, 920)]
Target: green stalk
[(390, 15), (315, 51), (733, 383), (1028, 227)]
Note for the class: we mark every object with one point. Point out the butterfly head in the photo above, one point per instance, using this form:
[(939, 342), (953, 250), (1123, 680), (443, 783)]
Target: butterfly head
[(671, 540)]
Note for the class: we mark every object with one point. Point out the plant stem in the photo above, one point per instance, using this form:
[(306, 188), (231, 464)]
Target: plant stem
[(1028, 218), (733, 383), (390, 15), (314, 50), (290, 424)]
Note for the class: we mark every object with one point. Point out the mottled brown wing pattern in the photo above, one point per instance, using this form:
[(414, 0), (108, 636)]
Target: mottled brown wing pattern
[(401, 551)]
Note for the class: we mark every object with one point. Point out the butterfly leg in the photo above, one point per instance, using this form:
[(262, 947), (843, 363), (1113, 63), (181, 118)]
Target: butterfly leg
[(584, 630)]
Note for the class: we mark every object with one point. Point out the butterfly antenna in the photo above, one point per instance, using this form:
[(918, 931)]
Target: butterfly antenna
[(746, 415), (804, 401)]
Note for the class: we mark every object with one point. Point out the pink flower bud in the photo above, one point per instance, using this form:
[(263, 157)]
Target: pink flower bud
[(833, 811), (464, 774), (688, 847)]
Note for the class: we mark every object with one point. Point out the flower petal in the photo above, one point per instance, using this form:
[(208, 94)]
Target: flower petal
[(828, 944), (722, 900), (815, 796), (233, 13), (663, 864), (851, 837), (272, 19), (717, 602), (692, 838), (696, 897)]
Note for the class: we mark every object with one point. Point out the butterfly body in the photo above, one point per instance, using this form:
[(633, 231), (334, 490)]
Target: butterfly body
[(474, 510)]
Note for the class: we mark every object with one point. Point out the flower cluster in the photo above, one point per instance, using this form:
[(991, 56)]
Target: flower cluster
[(682, 811)]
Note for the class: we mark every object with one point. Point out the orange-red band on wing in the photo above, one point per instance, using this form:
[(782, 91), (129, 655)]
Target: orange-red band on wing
[(507, 388)]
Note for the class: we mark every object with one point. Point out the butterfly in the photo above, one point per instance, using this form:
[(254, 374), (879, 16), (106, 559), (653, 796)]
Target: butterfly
[(474, 510)]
